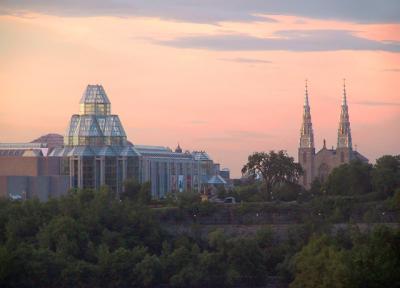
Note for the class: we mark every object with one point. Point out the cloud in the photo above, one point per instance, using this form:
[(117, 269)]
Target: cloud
[(377, 103), (236, 136), (246, 60), (288, 40), (213, 11)]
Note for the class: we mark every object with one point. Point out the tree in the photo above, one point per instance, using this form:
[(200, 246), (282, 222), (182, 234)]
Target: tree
[(394, 202), (273, 168), (316, 187), (320, 264), (64, 235), (386, 175), (149, 271), (131, 189), (137, 192), (350, 179), (188, 200), (247, 259), (375, 259), (247, 193), (287, 191)]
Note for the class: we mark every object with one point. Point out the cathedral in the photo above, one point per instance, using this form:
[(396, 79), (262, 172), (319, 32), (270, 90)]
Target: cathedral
[(319, 165)]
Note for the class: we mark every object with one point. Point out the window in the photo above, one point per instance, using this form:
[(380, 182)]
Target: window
[(87, 172), (120, 175), (75, 173), (65, 166), (98, 173), (111, 172), (132, 168), (173, 170), (304, 157)]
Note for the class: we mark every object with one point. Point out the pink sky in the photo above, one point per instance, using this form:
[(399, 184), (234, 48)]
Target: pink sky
[(172, 81)]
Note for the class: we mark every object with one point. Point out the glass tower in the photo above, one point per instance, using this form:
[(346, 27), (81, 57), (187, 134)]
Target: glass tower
[(96, 151)]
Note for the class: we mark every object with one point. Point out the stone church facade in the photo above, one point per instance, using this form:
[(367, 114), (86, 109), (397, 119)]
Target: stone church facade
[(319, 165)]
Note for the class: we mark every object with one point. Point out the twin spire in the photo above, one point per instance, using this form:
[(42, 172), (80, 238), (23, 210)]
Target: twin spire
[(344, 132)]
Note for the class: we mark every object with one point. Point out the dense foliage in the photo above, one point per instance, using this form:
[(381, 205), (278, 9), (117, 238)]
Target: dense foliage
[(357, 178), (92, 239), (349, 259), (95, 239)]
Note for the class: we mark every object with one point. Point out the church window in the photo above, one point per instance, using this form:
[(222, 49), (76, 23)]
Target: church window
[(304, 157)]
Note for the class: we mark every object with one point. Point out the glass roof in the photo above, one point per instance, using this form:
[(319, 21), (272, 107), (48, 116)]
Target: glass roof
[(201, 156), (216, 179), (95, 126), (94, 94)]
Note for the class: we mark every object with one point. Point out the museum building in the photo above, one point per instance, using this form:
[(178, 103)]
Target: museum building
[(95, 152)]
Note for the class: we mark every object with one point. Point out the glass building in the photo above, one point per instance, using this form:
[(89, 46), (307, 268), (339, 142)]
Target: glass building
[(96, 151), (168, 171)]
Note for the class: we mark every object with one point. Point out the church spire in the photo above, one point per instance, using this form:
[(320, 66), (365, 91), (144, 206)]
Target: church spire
[(344, 98), (306, 95), (306, 132), (344, 132)]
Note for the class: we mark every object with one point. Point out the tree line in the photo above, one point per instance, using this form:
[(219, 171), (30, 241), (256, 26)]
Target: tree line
[(93, 239)]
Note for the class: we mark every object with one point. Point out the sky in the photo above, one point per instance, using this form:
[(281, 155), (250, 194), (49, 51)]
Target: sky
[(225, 76)]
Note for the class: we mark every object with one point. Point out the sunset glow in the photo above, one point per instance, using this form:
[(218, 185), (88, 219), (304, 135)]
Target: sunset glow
[(230, 86)]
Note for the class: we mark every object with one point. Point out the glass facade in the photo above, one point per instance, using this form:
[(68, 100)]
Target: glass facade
[(96, 145), (175, 172)]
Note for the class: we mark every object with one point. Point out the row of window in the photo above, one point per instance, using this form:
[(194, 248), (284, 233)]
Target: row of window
[(91, 171), (95, 108), (96, 141)]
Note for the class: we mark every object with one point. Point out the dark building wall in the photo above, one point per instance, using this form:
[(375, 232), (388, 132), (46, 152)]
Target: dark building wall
[(39, 187), (3, 186), (50, 166), (29, 187), (59, 185), (18, 186)]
